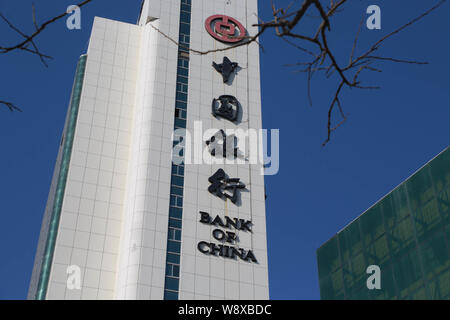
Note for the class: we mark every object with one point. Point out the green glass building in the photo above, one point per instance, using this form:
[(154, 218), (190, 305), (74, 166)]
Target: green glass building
[(406, 234)]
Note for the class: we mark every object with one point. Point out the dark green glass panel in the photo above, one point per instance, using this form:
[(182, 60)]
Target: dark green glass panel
[(407, 274), (439, 287), (331, 287), (443, 283), (350, 240), (420, 294), (395, 207), (443, 199), (349, 279), (359, 270), (407, 234), (420, 188), (402, 237), (440, 173), (423, 203), (372, 225), (362, 294), (337, 281), (435, 256), (439, 170), (387, 290), (378, 251), (328, 257)]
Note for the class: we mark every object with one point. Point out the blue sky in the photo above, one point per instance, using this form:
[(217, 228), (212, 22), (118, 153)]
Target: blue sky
[(389, 134)]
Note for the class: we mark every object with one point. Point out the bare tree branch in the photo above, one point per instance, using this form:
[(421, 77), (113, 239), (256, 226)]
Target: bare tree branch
[(10, 106), (29, 44), (30, 39), (324, 59)]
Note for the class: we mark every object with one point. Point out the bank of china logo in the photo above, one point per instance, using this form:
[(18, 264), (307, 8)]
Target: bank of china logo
[(225, 29)]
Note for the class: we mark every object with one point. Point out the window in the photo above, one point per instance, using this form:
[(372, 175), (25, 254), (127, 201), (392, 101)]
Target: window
[(177, 180)]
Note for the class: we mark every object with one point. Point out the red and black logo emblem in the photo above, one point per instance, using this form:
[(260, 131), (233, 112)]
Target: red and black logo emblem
[(225, 29)]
